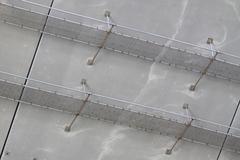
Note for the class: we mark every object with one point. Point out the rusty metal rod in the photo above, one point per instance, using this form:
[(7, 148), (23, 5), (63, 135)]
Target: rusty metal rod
[(204, 72), (68, 127), (91, 62), (169, 151)]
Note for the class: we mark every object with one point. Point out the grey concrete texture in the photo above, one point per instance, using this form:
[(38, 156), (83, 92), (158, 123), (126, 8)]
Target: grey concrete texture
[(91, 139), (16, 50), (29, 7), (137, 80), (7, 109), (188, 20), (163, 123), (63, 62), (122, 43)]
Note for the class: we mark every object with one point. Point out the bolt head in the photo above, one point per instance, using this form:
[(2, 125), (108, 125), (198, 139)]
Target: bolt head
[(90, 61), (67, 129), (192, 88), (210, 41), (83, 81), (107, 13), (185, 106), (168, 151), (7, 153)]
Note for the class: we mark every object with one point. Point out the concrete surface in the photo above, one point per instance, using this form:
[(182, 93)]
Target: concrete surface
[(38, 133), (7, 109), (16, 50), (138, 81), (90, 139), (188, 20)]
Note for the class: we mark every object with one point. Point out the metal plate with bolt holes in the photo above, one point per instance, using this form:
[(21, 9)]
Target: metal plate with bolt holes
[(75, 31), (22, 17), (119, 115)]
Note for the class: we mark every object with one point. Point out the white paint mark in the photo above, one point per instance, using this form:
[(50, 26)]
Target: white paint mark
[(152, 76), (229, 42), (220, 43), (114, 136)]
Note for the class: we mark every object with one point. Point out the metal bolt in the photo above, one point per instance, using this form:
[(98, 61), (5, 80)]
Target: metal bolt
[(67, 129), (83, 81), (168, 151), (7, 153), (185, 106), (192, 88), (90, 61), (107, 13), (210, 41)]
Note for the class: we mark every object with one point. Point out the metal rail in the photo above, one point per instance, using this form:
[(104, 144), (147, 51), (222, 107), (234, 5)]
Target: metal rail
[(118, 100), (130, 28)]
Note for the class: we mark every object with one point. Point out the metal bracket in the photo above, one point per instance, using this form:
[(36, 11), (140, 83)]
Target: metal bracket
[(91, 61), (84, 82), (204, 72), (68, 127), (169, 151), (107, 13), (210, 41), (185, 106)]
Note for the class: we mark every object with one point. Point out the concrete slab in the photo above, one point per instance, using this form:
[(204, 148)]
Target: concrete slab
[(63, 62), (16, 50), (7, 109), (228, 155), (90, 139), (29, 6), (187, 20)]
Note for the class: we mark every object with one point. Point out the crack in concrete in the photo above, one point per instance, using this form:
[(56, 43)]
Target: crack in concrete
[(151, 75), (234, 7), (114, 136)]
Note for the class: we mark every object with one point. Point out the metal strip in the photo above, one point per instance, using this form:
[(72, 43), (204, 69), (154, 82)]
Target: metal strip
[(139, 47), (143, 121)]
